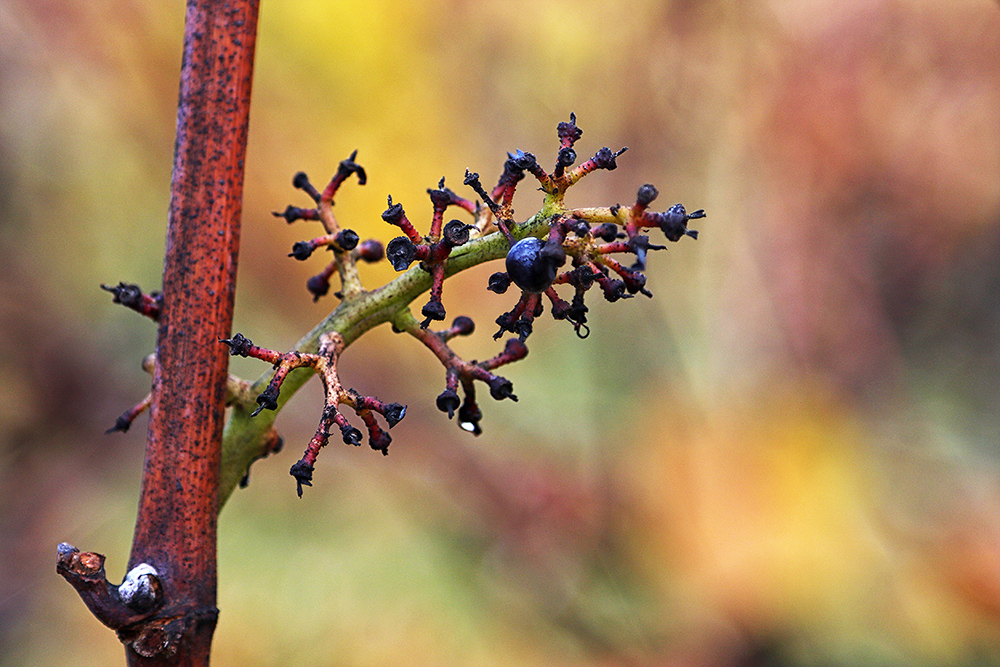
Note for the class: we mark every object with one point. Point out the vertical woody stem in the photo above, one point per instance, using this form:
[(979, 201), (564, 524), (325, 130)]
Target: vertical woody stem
[(175, 529)]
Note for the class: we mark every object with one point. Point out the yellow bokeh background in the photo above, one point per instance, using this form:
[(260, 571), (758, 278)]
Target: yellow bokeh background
[(788, 456)]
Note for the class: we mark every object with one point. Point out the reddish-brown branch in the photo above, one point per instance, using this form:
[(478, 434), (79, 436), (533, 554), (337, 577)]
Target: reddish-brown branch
[(175, 533)]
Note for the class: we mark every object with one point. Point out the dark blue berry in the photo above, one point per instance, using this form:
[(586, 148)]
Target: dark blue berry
[(528, 268)]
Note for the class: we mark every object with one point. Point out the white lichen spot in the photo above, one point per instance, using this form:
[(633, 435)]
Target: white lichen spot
[(139, 586)]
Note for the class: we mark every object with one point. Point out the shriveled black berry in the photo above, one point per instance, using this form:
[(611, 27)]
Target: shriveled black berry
[(523, 161), (578, 227), (469, 416), (351, 435), (394, 413), (456, 232), (267, 400), (526, 266), (303, 474), (318, 285), (613, 290), (371, 250), (607, 231), (501, 388), (448, 401), (239, 345), (567, 156), (606, 158), (552, 252), (432, 310), (400, 252), (463, 325), (499, 282), (348, 239), (301, 250), (647, 193), (393, 214), (673, 222)]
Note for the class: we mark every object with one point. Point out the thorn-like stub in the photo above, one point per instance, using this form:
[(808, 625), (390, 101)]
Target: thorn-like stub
[(141, 590), (122, 424), (294, 213)]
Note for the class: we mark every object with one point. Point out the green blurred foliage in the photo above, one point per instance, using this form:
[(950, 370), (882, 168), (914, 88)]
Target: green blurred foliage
[(788, 456)]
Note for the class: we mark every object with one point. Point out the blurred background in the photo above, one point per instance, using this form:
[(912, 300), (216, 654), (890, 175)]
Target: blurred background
[(789, 456)]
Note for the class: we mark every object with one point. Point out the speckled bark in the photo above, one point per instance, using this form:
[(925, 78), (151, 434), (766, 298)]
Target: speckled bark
[(176, 525)]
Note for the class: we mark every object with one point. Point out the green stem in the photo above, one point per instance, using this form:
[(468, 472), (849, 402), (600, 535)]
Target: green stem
[(244, 437)]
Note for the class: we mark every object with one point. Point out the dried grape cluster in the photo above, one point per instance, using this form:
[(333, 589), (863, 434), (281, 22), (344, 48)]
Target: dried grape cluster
[(556, 246)]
